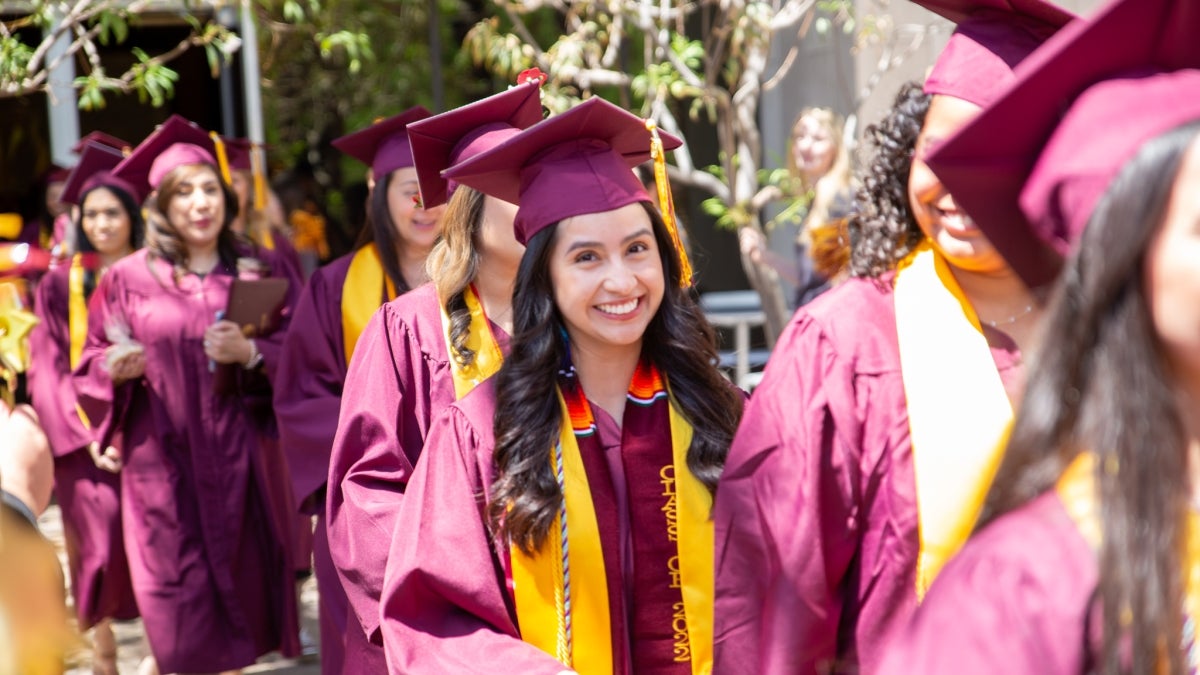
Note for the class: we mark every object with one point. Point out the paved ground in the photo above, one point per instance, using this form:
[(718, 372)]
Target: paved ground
[(131, 643)]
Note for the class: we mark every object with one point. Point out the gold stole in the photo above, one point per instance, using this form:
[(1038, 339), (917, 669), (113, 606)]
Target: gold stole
[(1076, 489), (480, 340), (77, 320), (361, 294), (958, 412), (538, 579), (266, 238)]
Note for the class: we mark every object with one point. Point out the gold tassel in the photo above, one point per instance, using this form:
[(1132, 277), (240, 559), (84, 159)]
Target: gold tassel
[(666, 203), (259, 170), (222, 158)]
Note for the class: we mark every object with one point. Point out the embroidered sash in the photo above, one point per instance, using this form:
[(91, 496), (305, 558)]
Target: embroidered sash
[(480, 340), (366, 287), (958, 412), (562, 591)]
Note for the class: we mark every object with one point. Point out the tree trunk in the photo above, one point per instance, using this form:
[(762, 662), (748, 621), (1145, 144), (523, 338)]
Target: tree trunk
[(765, 281)]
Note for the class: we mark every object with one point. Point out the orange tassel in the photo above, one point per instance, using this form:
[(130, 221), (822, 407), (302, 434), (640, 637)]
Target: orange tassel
[(666, 203), (259, 170), (222, 158)]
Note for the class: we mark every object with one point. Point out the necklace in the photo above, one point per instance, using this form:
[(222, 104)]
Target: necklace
[(1009, 320)]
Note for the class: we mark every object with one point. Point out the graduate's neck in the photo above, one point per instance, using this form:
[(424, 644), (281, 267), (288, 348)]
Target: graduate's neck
[(412, 264), (605, 375), (494, 284), (202, 260), (107, 259), (1002, 301)]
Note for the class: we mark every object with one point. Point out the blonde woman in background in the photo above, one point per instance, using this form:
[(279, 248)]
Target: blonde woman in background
[(819, 161)]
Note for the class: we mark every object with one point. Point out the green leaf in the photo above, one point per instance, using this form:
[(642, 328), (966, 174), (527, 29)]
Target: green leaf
[(714, 207), (214, 59), (292, 11)]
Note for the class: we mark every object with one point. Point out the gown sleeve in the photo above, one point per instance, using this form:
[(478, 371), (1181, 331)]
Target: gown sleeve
[(397, 390), (786, 521), (50, 369), (308, 389), (102, 402), (1016, 599), (445, 608)]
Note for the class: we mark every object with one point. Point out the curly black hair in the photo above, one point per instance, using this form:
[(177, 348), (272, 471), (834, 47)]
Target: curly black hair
[(883, 229)]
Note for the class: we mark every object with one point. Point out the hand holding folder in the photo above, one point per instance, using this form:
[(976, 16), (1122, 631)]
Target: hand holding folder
[(256, 306)]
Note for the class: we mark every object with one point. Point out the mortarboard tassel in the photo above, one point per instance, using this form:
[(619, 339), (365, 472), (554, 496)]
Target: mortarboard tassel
[(222, 158), (666, 203), (258, 170)]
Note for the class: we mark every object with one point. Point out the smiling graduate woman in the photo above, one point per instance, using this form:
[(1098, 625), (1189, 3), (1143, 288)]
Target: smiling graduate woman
[(86, 484), (206, 541), (867, 451), (559, 517), (1089, 561)]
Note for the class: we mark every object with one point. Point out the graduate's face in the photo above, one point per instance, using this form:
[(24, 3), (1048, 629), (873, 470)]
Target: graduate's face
[(1173, 274), (813, 147), (418, 228), (105, 222), (197, 207), (949, 228), (607, 276), (496, 240), (54, 203)]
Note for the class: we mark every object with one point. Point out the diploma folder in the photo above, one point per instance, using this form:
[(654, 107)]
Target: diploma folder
[(256, 306)]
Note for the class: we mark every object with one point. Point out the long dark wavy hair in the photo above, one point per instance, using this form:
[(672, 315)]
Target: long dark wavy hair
[(164, 242), (679, 342), (1102, 387), (381, 229), (453, 264), (882, 227), (137, 230)]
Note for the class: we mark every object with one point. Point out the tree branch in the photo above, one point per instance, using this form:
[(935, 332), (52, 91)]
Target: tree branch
[(699, 178), (662, 44), (790, 15), (616, 34), (522, 30), (586, 78), (184, 45), (766, 195), (89, 47)]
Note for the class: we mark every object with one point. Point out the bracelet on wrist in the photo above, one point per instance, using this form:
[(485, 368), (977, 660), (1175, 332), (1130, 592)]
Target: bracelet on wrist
[(256, 357)]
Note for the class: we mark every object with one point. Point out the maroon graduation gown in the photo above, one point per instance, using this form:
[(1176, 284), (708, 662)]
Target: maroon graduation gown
[(1018, 598), (308, 393), (816, 515), (207, 542), (308, 387), (447, 603), (400, 379), (89, 498)]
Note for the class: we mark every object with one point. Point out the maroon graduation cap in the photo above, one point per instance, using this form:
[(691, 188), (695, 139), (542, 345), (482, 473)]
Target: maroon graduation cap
[(237, 151), (174, 143), (580, 161), (101, 138), (1030, 176), (56, 174), (383, 146), (444, 140), (992, 37), (96, 162)]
